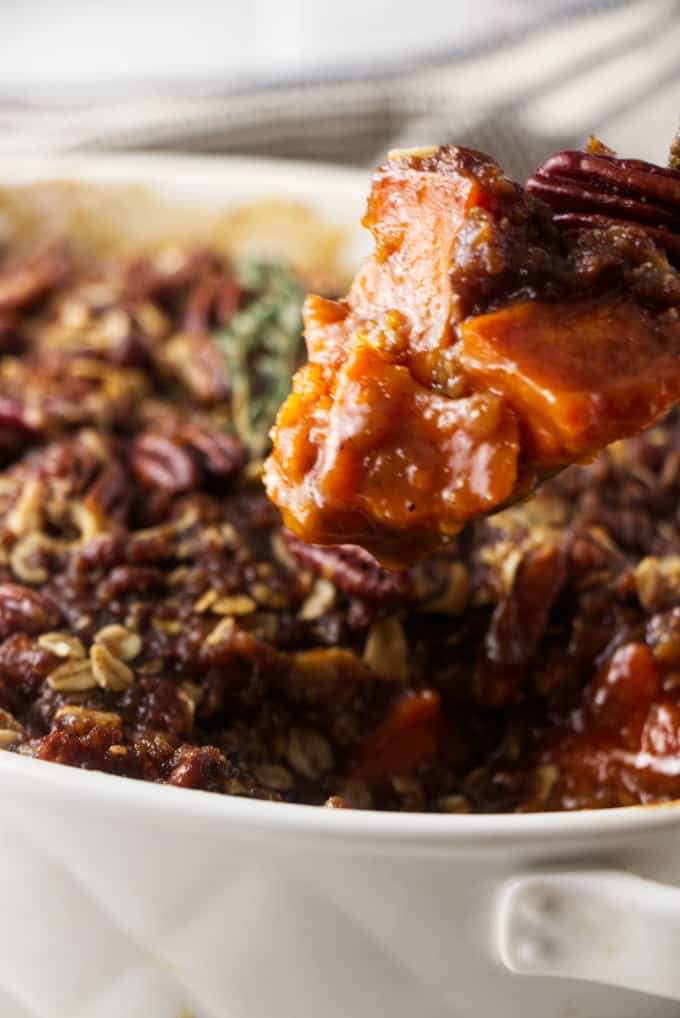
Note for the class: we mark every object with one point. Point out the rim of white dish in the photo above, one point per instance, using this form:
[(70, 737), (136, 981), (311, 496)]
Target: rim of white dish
[(185, 175), (311, 180), (203, 811)]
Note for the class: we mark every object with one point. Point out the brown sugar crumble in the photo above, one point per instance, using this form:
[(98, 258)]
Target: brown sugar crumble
[(158, 622)]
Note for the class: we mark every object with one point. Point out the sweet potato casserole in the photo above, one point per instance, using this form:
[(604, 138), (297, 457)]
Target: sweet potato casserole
[(158, 622)]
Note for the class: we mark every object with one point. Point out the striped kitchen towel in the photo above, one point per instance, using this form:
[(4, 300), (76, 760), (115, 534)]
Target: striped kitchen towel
[(611, 68)]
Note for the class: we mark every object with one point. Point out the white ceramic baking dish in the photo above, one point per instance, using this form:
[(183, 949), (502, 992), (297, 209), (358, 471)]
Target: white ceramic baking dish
[(120, 899)]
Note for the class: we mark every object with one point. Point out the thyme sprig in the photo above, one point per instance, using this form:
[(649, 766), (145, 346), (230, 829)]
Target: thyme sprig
[(262, 346)]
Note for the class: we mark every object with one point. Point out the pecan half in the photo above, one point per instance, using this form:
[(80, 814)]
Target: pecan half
[(172, 270), (25, 610), (130, 580), (8, 322), (111, 491), (586, 189), (25, 281), (160, 462), (350, 568), (220, 454), (213, 301), (16, 427)]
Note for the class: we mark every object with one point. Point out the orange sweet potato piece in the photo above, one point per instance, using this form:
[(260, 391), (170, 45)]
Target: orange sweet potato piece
[(578, 375), (385, 453), (408, 738), (414, 217)]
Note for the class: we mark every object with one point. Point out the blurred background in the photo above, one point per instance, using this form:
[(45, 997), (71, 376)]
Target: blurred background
[(339, 80)]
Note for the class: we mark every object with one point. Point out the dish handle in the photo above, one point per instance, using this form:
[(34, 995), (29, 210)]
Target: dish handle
[(606, 926)]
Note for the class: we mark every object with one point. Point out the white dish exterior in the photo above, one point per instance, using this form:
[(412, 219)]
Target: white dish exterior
[(121, 898)]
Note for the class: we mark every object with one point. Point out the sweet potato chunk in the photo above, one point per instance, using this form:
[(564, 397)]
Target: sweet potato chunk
[(386, 453), (478, 351), (408, 738), (578, 375)]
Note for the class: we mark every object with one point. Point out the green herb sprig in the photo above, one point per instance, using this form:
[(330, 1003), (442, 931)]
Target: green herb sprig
[(262, 346)]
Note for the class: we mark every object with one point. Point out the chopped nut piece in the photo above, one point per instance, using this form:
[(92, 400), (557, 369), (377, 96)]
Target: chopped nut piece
[(420, 152), (170, 260), (74, 314), (177, 577), (386, 652), (505, 558), (150, 319), (264, 595), (193, 691), (454, 804), (336, 802), (188, 701), (8, 737), (8, 723), (109, 671), (230, 534), (453, 598), (319, 601), (252, 472), (114, 326), (281, 553), (327, 664), (658, 582)]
